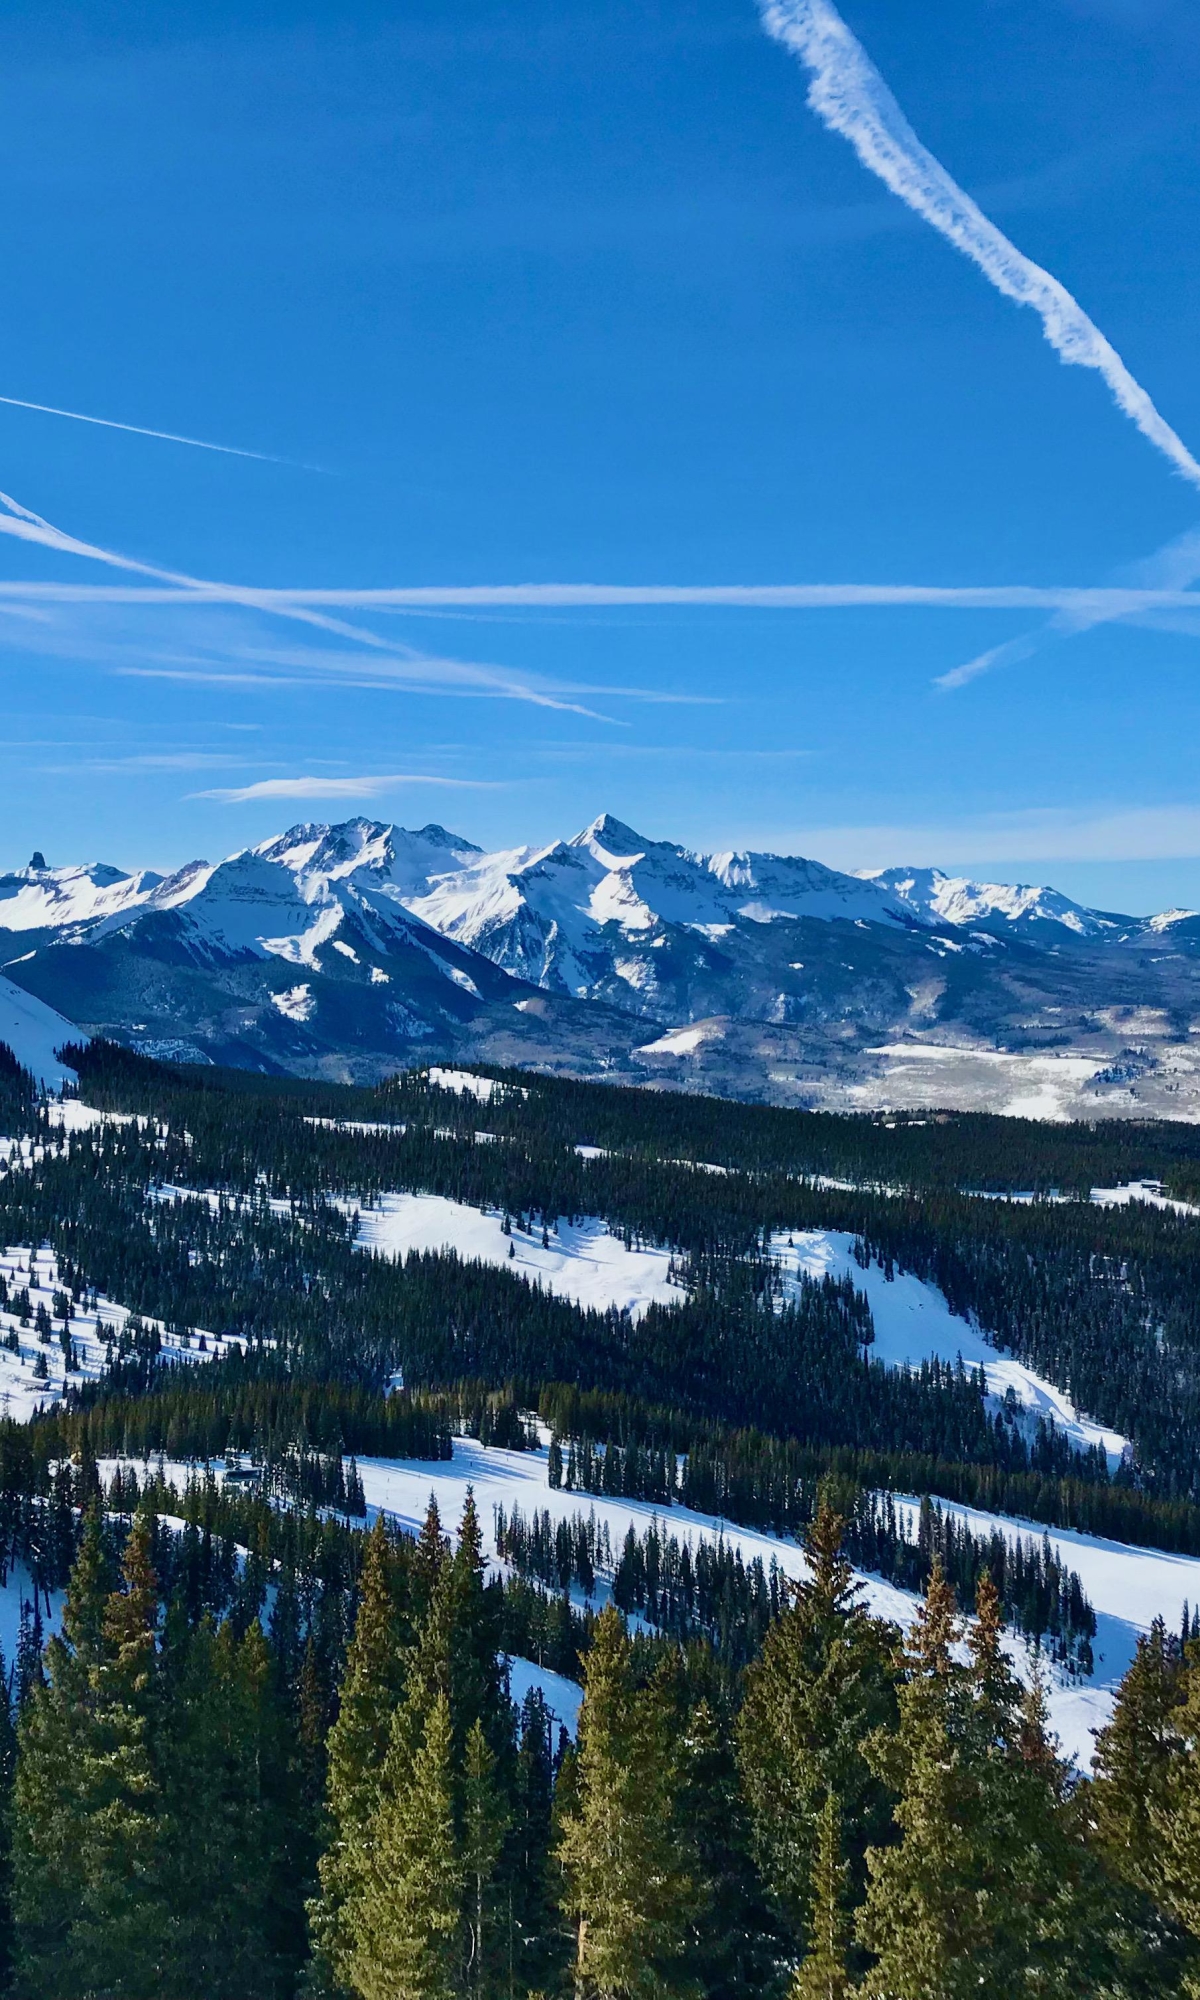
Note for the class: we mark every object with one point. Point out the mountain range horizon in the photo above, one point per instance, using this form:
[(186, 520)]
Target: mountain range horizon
[(348, 950)]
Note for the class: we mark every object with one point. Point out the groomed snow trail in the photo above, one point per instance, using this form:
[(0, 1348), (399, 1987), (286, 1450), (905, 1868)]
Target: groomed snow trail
[(913, 1323)]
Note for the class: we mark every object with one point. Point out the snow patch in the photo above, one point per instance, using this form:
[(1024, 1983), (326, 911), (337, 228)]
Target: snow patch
[(34, 1032), (584, 1261), (296, 1004), (913, 1323), (682, 1041)]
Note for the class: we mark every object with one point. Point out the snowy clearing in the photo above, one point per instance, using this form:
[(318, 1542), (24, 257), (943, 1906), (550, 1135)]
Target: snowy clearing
[(21, 1391), (584, 1260), (401, 1488), (1151, 1192), (913, 1323), (561, 1696), (682, 1041), (463, 1082), (1128, 1589)]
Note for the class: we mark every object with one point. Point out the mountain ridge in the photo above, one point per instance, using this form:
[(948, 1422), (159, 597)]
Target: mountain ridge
[(352, 948)]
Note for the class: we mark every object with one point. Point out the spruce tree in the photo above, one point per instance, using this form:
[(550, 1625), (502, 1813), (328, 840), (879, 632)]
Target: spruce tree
[(823, 1974), (1128, 1794), (405, 1941), (539, 1935), (1175, 1820), (920, 1918), (357, 1746), (230, 1822), (88, 1898), (619, 1845), (825, 1680), (486, 1818)]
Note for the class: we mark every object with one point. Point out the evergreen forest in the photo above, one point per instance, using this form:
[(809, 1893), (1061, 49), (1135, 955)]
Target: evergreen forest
[(258, 1738)]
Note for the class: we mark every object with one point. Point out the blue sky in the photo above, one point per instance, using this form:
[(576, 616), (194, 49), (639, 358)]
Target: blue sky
[(555, 292)]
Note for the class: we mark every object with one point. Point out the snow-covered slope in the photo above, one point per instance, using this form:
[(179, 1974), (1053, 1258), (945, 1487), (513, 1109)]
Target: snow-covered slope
[(350, 950), (935, 898), (41, 898), (583, 1260), (913, 1323), (583, 913), (1127, 1586), (34, 1032)]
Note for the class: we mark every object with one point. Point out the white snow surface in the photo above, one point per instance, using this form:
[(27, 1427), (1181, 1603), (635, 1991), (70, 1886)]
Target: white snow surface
[(43, 898), (584, 1262), (20, 1393), (682, 1041), (913, 1323), (568, 915), (936, 898), (1128, 1586), (1039, 1086), (561, 1696), (463, 1083), (1150, 1192), (33, 1032)]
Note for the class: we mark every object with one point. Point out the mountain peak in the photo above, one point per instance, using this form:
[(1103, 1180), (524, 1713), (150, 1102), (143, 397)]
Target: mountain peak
[(618, 840)]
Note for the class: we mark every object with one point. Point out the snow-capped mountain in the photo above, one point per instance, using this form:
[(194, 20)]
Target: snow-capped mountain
[(41, 898), (609, 913), (297, 953), (935, 898), (350, 949)]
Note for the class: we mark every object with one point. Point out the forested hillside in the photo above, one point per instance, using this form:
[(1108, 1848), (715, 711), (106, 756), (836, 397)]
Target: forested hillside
[(259, 1736)]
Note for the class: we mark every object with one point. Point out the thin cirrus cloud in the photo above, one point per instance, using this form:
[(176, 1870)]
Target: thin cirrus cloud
[(316, 787), (172, 586), (1039, 837), (850, 97)]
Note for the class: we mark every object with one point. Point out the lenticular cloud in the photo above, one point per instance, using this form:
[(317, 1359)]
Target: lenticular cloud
[(849, 95)]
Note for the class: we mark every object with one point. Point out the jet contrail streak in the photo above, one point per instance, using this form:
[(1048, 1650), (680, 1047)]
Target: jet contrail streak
[(140, 430), (1100, 601), (851, 98)]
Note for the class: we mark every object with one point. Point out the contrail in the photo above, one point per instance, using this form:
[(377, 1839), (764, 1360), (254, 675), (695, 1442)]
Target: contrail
[(851, 98), (27, 526), (1083, 601), (1171, 569), (140, 430)]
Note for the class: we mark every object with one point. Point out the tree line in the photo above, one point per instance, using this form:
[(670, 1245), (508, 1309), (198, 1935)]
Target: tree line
[(185, 1808)]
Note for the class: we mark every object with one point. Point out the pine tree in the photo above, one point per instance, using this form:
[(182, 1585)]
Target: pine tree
[(1175, 1820), (406, 1941), (619, 1847), (1128, 1794), (822, 1684), (486, 1819), (920, 1918), (539, 1935), (87, 1856), (8, 1758), (235, 1843), (823, 1974), (357, 1746)]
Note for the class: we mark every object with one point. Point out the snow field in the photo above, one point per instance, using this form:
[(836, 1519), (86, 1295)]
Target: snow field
[(1128, 1587), (21, 1393), (463, 1082), (913, 1323), (584, 1262), (34, 1032)]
